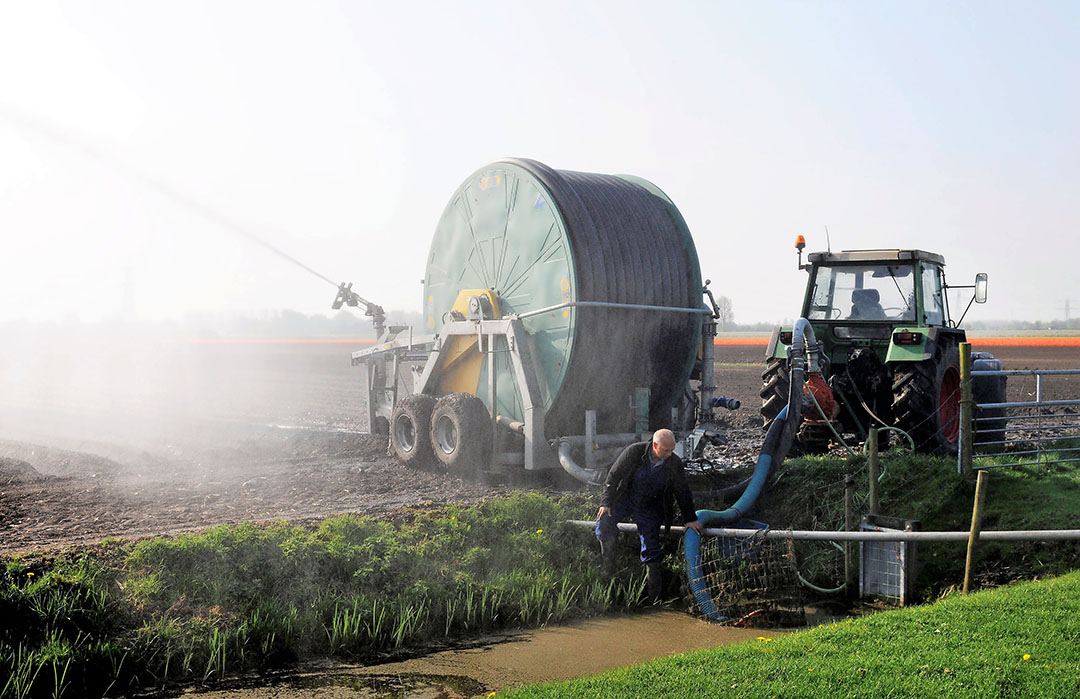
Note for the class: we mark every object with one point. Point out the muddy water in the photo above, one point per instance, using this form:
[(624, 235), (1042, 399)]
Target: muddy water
[(550, 654)]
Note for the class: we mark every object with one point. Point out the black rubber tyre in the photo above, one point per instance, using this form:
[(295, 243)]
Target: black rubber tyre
[(926, 401), (775, 384), (990, 423), (461, 433), (381, 426), (410, 430)]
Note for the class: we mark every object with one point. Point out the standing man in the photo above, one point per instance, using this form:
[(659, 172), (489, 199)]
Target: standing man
[(642, 484)]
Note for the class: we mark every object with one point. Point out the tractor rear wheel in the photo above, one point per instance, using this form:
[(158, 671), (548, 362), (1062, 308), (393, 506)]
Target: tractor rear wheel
[(461, 433), (410, 430), (926, 401)]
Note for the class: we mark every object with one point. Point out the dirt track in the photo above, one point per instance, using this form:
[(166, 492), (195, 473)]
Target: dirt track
[(156, 438)]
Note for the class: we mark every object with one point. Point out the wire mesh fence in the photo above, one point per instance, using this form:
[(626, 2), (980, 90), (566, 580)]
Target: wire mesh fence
[(752, 581)]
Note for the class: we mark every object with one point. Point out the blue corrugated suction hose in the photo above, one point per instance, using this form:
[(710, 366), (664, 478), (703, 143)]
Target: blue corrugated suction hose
[(777, 442), (713, 518)]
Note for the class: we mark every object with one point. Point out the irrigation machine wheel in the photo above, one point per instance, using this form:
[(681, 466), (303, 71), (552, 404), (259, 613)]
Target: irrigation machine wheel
[(461, 433), (410, 429), (926, 401)]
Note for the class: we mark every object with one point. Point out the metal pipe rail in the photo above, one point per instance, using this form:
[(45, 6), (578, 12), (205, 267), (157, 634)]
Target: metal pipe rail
[(608, 304), (1063, 419), (813, 535), (1031, 404)]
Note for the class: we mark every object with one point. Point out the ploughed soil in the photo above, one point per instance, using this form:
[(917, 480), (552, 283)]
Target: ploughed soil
[(142, 438)]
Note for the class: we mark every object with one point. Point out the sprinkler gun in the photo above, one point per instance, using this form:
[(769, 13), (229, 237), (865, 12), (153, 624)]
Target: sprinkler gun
[(346, 296)]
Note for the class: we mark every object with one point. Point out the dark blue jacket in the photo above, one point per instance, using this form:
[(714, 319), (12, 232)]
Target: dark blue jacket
[(676, 488)]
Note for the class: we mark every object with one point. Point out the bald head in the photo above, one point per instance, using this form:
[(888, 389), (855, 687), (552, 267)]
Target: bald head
[(666, 437), (663, 443)]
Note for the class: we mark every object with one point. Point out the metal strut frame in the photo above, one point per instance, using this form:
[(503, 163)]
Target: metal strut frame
[(505, 335), (382, 398)]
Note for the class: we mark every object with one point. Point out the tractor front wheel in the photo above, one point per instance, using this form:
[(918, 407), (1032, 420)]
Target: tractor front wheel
[(410, 428), (926, 401), (775, 383)]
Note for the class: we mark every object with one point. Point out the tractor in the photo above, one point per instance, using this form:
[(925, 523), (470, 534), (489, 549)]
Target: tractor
[(889, 352)]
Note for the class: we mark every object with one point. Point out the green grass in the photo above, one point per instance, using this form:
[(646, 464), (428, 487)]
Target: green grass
[(1018, 641), (246, 597)]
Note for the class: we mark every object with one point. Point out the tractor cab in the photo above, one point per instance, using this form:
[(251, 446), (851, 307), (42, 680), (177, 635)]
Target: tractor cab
[(905, 286), (891, 302)]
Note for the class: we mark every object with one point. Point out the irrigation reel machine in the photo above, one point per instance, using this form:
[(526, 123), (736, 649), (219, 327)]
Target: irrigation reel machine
[(565, 318)]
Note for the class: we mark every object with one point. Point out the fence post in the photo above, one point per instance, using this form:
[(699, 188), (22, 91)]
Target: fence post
[(976, 526), (849, 525), (966, 423), (873, 468)]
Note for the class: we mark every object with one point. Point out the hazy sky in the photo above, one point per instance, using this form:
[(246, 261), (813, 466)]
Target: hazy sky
[(338, 131)]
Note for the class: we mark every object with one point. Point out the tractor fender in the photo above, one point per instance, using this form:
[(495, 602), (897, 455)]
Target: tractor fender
[(926, 349), (774, 340)]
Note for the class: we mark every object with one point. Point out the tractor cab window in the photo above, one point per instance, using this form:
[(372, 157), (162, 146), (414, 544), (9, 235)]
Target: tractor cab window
[(933, 304), (863, 292)]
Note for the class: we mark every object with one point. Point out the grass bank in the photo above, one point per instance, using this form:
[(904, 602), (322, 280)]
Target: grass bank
[(246, 597), (1020, 640), (810, 495)]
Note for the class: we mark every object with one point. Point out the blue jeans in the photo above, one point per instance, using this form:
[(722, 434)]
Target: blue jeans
[(648, 524)]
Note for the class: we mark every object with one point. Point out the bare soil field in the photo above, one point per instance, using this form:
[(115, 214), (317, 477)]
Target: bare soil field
[(141, 438)]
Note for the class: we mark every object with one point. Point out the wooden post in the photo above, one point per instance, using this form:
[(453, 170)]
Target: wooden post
[(849, 525), (976, 526), (873, 468), (966, 412)]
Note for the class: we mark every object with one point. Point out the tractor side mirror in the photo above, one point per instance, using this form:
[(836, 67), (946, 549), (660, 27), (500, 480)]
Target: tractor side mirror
[(980, 287)]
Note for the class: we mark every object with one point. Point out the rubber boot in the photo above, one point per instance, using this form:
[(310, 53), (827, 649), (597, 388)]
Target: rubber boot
[(607, 560), (655, 586)]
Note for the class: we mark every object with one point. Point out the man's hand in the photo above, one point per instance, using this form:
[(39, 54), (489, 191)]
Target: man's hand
[(603, 511), (695, 525)]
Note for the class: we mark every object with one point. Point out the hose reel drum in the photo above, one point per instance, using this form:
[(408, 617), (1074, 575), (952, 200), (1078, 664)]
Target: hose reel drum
[(591, 280)]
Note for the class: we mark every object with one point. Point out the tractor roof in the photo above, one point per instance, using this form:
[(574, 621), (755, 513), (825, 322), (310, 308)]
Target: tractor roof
[(826, 258)]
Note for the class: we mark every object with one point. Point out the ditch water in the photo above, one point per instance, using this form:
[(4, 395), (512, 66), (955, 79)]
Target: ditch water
[(514, 659)]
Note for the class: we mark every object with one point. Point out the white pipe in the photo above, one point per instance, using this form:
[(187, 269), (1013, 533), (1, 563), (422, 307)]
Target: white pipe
[(571, 467), (813, 535)]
